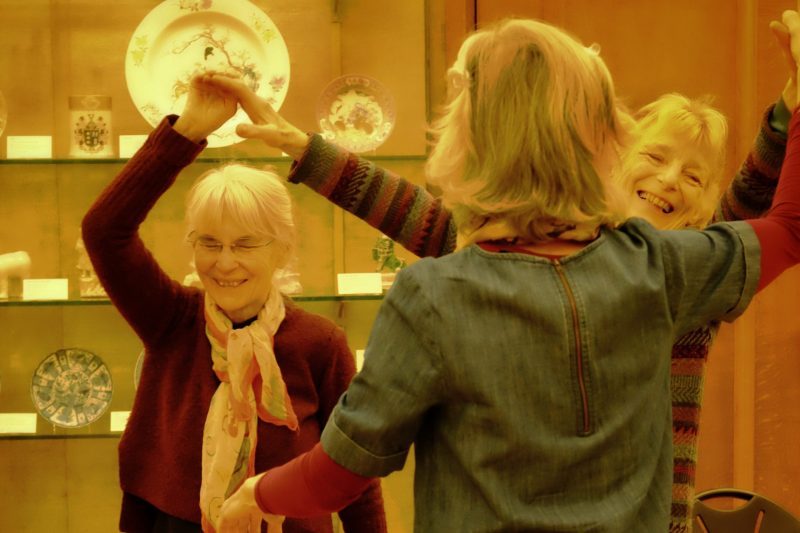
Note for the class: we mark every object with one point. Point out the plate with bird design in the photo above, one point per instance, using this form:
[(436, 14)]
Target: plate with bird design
[(179, 38)]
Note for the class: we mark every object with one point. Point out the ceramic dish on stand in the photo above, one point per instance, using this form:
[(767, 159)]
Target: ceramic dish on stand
[(181, 37), (71, 388), (356, 112)]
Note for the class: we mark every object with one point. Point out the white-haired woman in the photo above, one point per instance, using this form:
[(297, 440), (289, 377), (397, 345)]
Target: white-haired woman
[(531, 368), (238, 379)]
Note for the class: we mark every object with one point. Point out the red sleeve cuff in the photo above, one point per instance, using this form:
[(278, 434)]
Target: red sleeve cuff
[(309, 485)]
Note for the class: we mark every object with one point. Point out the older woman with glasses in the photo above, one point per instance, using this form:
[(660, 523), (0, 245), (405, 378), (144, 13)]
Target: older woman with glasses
[(238, 379)]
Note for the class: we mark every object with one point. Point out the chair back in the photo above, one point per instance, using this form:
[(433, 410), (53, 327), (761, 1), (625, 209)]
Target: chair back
[(757, 515)]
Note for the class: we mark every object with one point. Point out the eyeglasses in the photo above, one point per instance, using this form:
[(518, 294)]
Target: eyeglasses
[(208, 248)]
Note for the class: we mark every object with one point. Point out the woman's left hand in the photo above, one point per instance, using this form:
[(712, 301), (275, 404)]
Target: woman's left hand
[(240, 512)]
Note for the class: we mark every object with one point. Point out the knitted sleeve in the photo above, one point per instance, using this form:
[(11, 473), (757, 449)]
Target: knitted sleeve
[(142, 292), (405, 212), (748, 196), (750, 193)]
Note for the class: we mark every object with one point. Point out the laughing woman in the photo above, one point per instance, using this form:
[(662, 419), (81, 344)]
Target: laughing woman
[(238, 379)]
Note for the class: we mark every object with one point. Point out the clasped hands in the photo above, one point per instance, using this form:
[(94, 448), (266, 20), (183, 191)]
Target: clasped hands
[(240, 512), (213, 99)]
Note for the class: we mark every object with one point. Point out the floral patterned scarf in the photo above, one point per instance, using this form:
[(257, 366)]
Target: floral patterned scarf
[(251, 387)]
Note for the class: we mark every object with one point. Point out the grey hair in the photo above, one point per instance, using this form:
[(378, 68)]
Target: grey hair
[(532, 112)]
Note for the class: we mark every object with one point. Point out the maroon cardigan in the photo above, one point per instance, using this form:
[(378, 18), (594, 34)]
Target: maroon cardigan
[(160, 451)]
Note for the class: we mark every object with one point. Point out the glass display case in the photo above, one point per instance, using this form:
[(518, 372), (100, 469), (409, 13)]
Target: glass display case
[(58, 150)]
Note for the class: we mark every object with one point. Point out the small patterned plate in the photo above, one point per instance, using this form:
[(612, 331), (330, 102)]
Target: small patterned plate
[(356, 112), (71, 388)]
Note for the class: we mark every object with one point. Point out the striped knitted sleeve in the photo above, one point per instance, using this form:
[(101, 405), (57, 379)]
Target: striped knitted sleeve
[(405, 212), (750, 193)]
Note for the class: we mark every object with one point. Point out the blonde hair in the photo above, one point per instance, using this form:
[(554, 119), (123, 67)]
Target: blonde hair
[(533, 109), (696, 121), (254, 199)]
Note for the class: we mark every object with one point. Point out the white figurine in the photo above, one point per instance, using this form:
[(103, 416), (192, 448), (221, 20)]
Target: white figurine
[(14, 267), (88, 283)]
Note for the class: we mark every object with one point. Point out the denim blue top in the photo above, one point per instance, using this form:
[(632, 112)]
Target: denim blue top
[(536, 392)]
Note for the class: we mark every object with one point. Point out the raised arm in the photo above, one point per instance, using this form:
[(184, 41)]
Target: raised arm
[(406, 212), (130, 275), (750, 193), (779, 232)]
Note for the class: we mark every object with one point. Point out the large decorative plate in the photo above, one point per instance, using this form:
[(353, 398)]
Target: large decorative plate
[(356, 112), (3, 113), (180, 37), (71, 388)]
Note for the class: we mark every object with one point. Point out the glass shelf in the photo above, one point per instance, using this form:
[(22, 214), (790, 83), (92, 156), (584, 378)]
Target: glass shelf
[(16, 302), (65, 436), (208, 159), (117, 160)]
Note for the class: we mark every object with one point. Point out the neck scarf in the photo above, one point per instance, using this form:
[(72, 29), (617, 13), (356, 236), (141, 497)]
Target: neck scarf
[(251, 387)]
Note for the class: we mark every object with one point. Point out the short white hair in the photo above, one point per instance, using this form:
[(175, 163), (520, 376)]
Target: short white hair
[(255, 199)]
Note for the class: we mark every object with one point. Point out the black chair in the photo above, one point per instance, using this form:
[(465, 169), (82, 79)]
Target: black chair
[(757, 515)]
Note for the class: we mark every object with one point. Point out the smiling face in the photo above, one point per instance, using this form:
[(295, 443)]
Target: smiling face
[(670, 172), (239, 221), (237, 275), (668, 178)]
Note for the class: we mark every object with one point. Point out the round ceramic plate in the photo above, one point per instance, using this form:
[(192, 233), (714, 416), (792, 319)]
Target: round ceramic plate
[(71, 388), (356, 112), (180, 37), (3, 113)]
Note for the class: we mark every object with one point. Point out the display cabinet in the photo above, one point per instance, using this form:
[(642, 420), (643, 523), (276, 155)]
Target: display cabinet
[(56, 51)]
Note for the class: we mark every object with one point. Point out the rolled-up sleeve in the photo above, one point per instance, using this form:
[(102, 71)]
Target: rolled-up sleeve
[(712, 274), (378, 417)]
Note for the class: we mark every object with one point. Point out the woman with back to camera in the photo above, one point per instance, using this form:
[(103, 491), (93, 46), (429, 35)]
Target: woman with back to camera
[(237, 378), (533, 364), (676, 156)]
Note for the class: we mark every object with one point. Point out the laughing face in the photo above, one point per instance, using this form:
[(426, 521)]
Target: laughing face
[(235, 267), (668, 179)]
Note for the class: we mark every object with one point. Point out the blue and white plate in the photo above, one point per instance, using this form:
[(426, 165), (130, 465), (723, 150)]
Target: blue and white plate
[(71, 388)]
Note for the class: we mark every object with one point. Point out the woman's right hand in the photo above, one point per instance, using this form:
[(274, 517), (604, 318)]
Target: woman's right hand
[(268, 125), (207, 108)]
